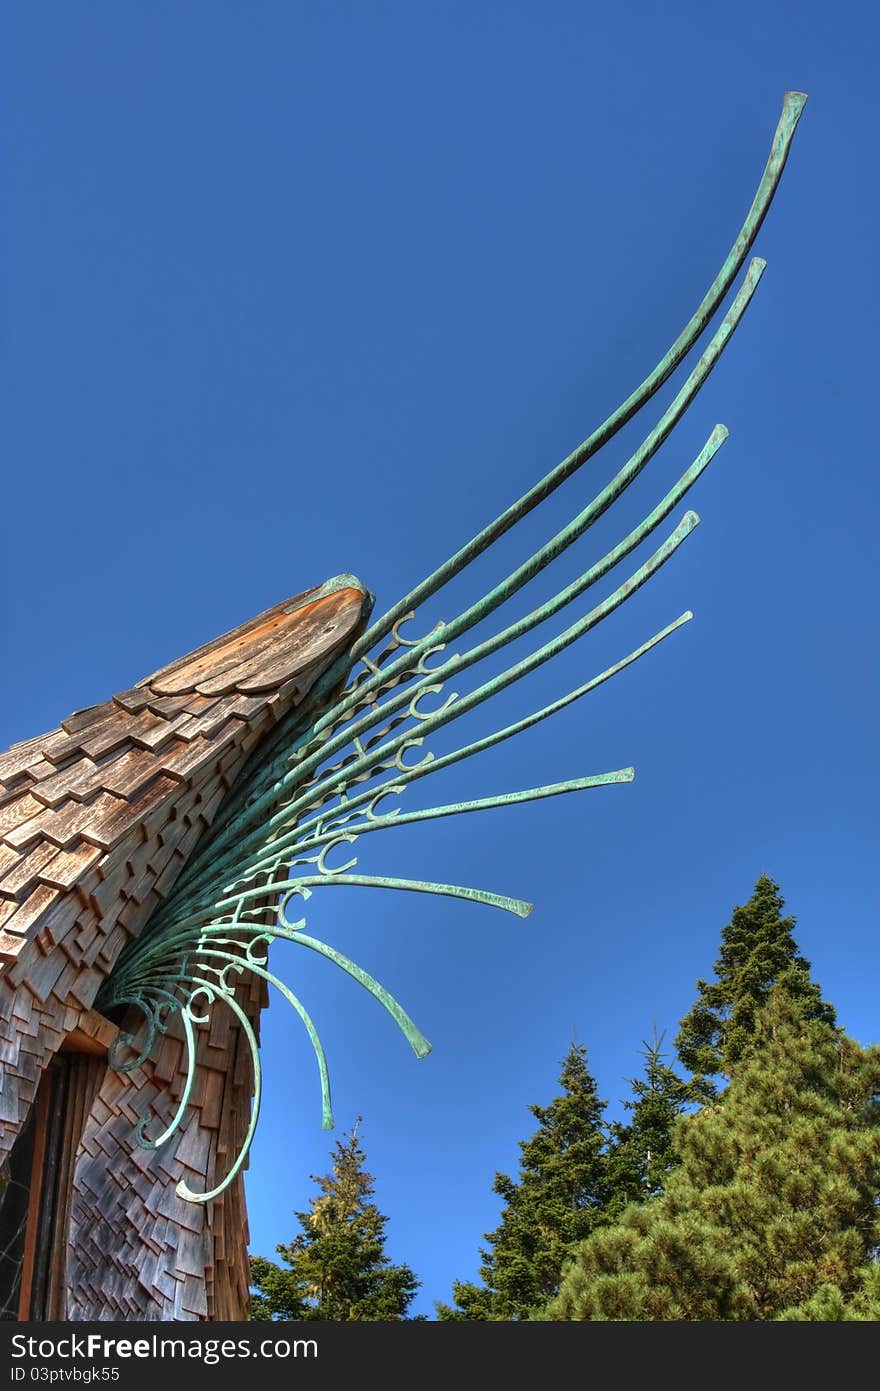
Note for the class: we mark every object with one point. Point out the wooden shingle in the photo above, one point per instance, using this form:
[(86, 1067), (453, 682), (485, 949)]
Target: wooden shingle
[(97, 818)]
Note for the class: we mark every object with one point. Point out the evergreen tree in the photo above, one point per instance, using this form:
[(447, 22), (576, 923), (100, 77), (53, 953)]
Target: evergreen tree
[(830, 1305), (758, 951), (772, 1211), (641, 1152), (337, 1268), (556, 1202)]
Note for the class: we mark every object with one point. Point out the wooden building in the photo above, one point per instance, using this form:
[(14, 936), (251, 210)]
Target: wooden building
[(97, 818)]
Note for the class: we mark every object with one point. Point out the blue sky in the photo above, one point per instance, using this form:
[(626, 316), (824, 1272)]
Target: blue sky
[(298, 289)]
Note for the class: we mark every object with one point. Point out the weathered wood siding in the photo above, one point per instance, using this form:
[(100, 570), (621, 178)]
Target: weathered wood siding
[(97, 818)]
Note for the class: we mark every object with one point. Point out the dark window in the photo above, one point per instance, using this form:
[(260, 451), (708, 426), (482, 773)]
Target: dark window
[(36, 1185), (15, 1186)]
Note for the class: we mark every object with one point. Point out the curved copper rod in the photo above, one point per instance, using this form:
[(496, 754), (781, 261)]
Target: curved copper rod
[(792, 107)]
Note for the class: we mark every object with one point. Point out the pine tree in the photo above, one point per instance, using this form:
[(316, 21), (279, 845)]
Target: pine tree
[(337, 1267), (556, 1202), (758, 951), (772, 1211), (641, 1152), (830, 1305)]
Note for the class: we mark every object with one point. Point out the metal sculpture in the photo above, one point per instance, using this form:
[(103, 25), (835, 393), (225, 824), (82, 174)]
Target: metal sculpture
[(317, 787)]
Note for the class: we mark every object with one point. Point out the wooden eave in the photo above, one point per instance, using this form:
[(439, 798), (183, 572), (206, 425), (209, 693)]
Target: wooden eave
[(98, 816)]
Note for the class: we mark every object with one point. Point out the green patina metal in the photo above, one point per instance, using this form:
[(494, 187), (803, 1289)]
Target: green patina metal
[(315, 787)]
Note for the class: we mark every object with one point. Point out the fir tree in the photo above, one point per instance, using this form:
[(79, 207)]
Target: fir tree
[(337, 1267), (772, 1211), (556, 1202), (758, 951), (641, 1152)]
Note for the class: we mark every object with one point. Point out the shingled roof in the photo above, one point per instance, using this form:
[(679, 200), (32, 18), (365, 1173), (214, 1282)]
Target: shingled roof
[(97, 818), (87, 810)]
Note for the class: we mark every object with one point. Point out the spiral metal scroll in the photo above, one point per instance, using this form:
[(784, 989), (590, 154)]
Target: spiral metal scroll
[(316, 788)]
